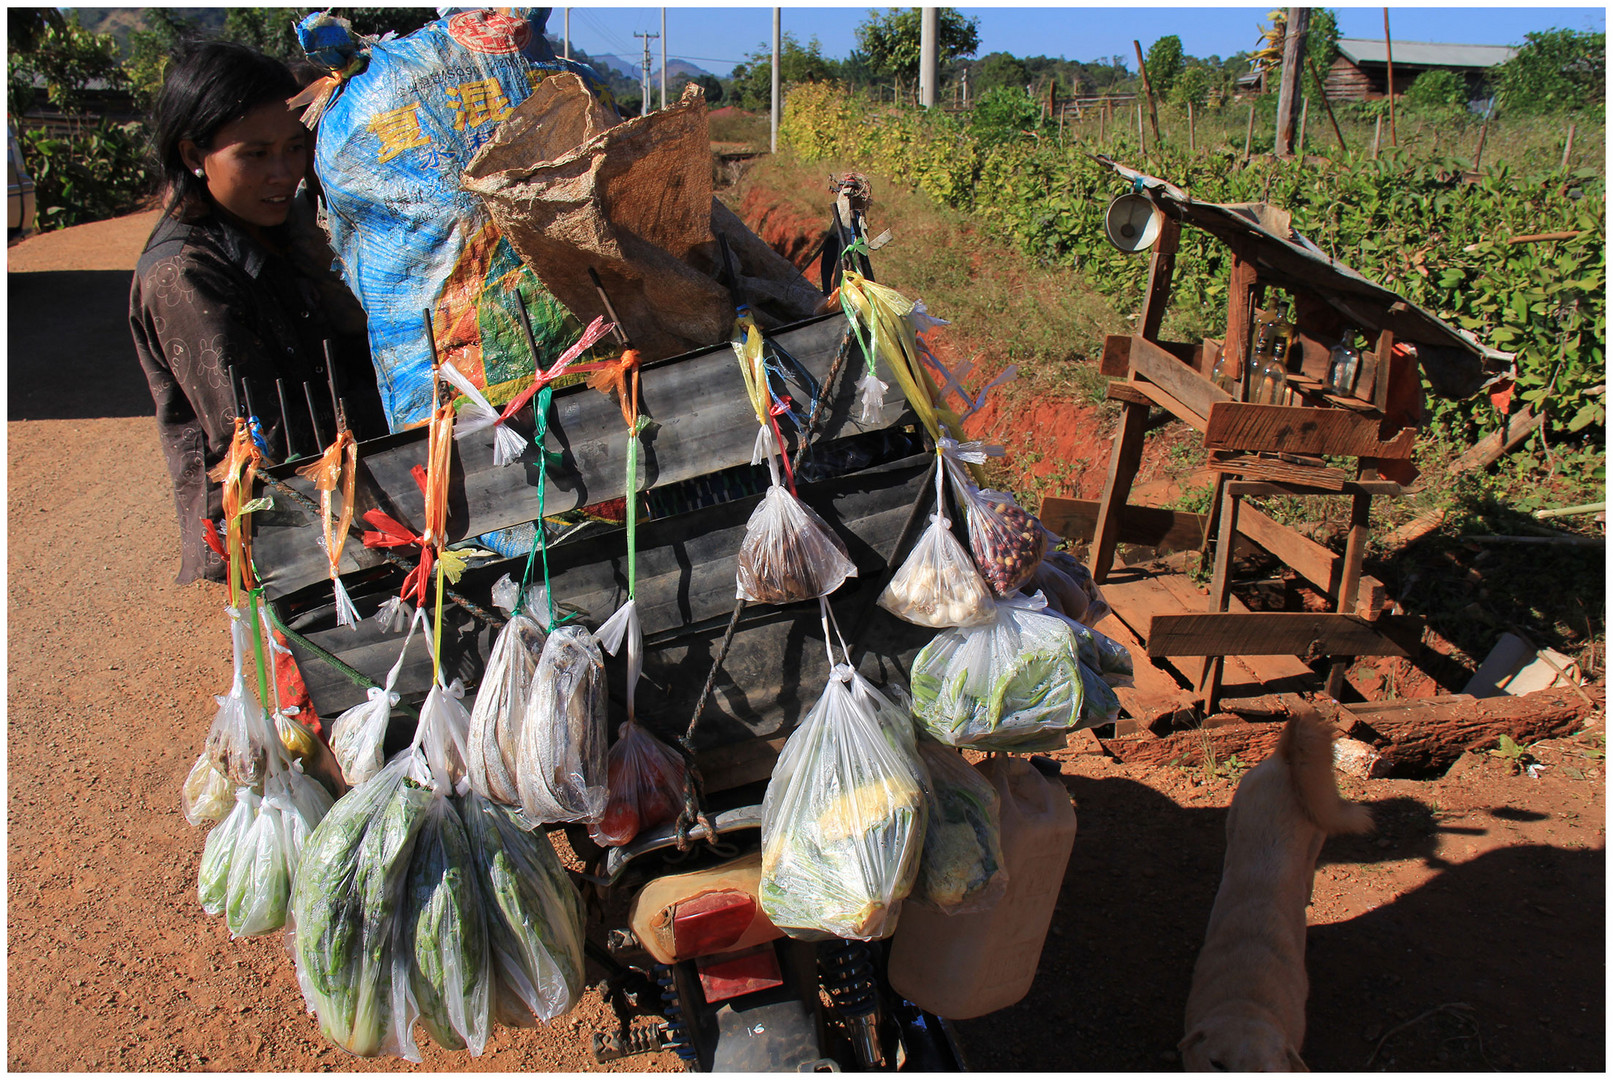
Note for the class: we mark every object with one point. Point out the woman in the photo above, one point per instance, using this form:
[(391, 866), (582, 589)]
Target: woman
[(235, 278)]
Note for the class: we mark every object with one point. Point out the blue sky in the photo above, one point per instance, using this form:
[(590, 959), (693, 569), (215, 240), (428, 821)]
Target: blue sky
[(716, 38)]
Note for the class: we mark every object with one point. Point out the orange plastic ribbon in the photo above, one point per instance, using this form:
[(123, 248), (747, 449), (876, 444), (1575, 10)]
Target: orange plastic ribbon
[(317, 95), (439, 447), (337, 466), (236, 474), (621, 377)]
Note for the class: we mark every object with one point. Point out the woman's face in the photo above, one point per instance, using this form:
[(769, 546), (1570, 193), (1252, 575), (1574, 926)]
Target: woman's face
[(255, 163)]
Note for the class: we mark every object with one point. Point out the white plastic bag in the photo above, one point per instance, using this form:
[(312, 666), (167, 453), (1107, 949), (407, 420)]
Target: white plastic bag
[(358, 736), (843, 817), (961, 870), (213, 877), (1011, 685), (238, 739), (208, 794), (259, 882), (1007, 543), (561, 770), (937, 585), (493, 746), (789, 553), (534, 915)]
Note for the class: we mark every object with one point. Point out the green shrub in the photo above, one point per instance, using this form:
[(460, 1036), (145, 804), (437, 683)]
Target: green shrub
[(1437, 89), (97, 171), (1003, 114)]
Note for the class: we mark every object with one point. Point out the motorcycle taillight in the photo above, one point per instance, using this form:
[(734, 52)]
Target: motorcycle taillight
[(712, 922)]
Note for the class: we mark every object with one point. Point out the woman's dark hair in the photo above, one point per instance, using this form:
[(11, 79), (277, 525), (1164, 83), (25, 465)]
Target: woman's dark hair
[(209, 84)]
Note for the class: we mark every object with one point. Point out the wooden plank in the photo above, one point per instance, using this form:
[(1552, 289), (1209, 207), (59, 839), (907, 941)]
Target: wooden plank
[(1253, 467), (1195, 392), (1313, 562), (1350, 487), (1161, 264), (1124, 391), (1273, 633), (1124, 459), (1159, 396), (1240, 312), (1350, 580), (1115, 361), (703, 423), (1209, 681), (1248, 674), (1154, 696), (1236, 425), (1166, 530)]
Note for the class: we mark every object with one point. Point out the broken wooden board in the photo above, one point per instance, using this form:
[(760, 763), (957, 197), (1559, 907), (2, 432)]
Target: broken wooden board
[(1166, 530), (702, 423), (1155, 695), (1310, 560), (1242, 674), (1157, 395), (1252, 467), (1115, 361), (1236, 425), (1283, 633)]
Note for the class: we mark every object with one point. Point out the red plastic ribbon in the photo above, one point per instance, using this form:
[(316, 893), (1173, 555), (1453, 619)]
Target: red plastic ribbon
[(782, 405), (391, 533)]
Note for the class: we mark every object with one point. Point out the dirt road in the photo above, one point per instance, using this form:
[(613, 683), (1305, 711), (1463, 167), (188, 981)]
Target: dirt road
[(1468, 933)]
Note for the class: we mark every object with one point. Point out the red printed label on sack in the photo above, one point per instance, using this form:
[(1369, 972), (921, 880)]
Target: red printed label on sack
[(490, 32)]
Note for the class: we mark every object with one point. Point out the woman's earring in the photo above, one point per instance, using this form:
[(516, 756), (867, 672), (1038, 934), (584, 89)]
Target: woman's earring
[(198, 174)]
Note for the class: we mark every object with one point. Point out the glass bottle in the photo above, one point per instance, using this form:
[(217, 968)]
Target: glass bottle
[(1260, 355), (1344, 365), (1271, 373), (1224, 374)]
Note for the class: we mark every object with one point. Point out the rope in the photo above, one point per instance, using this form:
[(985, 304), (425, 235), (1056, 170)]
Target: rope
[(815, 417), (356, 677)]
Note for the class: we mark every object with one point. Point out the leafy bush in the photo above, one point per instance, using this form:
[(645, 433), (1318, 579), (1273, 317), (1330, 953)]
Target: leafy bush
[(1164, 64), (94, 172), (1554, 71), (1192, 87), (1002, 114), (1437, 89)]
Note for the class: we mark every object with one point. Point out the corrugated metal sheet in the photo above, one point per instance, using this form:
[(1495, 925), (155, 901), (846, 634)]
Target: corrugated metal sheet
[(1426, 54)]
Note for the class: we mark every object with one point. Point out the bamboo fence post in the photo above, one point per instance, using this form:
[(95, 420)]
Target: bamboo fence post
[(1142, 137), (1304, 112), (1148, 91), (1377, 136), (1103, 124), (1389, 55), (1321, 91), (1192, 146), (1568, 148), (1478, 155), (1249, 136)]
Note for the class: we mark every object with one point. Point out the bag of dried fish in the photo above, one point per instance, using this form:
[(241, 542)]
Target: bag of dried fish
[(560, 772), (494, 741), (961, 869)]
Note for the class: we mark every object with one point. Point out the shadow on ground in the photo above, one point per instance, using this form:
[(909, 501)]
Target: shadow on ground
[(69, 353), (1516, 925)]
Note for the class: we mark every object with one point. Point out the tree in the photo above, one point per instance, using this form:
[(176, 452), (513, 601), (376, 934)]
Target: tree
[(753, 80), (712, 86), (1555, 70), (1164, 64), (1192, 86), (151, 46), (1322, 44), (1000, 69), (58, 52), (891, 40), (1002, 113), (268, 30)]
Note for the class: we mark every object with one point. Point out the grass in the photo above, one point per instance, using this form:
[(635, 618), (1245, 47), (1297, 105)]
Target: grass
[(737, 127)]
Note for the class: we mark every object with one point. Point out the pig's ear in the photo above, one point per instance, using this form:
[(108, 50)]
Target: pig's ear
[(1295, 1063)]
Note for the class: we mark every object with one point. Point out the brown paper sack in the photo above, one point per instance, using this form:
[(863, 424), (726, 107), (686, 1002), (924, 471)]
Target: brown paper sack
[(571, 189)]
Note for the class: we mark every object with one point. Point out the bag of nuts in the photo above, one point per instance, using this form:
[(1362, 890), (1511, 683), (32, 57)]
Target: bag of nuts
[(1007, 542), (937, 585)]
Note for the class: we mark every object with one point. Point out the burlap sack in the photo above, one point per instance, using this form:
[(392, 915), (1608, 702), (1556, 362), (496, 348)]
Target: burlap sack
[(572, 189)]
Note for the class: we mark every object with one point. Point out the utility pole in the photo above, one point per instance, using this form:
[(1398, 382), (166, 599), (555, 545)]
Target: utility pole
[(929, 68), (567, 44), (644, 106), (1288, 88), (965, 87), (777, 104), (663, 58), (1389, 57)]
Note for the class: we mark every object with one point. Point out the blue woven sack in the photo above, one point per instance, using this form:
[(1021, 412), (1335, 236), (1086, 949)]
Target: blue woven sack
[(397, 122)]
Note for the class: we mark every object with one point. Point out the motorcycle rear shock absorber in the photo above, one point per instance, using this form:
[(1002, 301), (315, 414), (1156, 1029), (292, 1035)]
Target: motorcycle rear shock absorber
[(675, 1036), (847, 971)]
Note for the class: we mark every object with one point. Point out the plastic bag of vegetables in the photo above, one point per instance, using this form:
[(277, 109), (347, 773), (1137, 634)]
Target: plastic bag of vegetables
[(347, 902), (208, 794), (358, 736), (442, 949), (937, 585), (961, 869), (1013, 684), (238, 740), (493, 745), (843, 817), (1007, 542), (561, 772), (534, 914), (644, 785), (218, 853)]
